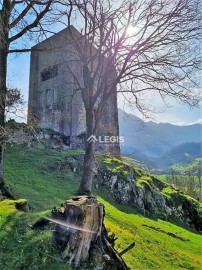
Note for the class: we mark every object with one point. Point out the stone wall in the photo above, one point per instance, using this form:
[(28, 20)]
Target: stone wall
[(53, 100)]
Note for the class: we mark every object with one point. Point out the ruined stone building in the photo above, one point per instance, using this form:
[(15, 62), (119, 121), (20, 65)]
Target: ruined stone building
[(53, 100)]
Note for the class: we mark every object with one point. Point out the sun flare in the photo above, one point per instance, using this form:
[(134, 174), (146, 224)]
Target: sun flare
[(130, 30)]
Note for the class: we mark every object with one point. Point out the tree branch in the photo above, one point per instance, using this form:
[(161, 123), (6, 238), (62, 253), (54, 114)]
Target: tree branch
[(33, 24)]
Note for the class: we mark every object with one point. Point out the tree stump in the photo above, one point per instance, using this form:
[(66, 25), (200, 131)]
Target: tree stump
[(81, 234)]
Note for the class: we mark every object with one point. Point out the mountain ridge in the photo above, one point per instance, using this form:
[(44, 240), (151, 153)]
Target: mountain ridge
[(157, 123), (148, 141), (182, 154)]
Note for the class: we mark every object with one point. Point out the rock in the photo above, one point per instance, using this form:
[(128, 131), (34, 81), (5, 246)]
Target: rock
[(40, 224), (113, 181), (107, 258), (22, 205), (148, 194)]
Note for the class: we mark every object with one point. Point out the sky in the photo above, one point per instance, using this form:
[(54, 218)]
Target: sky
[(176, 113)]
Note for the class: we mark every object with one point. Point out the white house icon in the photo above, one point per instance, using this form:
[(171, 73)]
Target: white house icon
[(92, 138)]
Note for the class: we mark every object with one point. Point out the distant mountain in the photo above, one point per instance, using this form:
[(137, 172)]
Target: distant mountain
[(148, 141), (180, 155)]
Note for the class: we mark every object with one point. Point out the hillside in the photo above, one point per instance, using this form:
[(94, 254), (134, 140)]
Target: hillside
[(180, 155), (149, 140), (43, 178), (194, 167)]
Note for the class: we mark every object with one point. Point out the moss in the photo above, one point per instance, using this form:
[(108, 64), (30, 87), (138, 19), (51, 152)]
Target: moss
[(146, 182), (7, 207), (175, 198), (138, 172), (135, 163), (121, 168), (116, 166), (20, 201), (159, 183)]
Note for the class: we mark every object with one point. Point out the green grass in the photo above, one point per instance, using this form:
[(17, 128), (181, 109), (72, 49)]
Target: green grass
[(186, 183), (36, 175), (191, 167), (34, 172), (153, 250), (24, 248), (182, 177)]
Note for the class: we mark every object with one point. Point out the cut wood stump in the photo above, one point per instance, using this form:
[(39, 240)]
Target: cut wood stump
[(80, 232)]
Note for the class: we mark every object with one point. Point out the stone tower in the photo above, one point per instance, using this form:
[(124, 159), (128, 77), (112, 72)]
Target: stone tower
[(53, 100)]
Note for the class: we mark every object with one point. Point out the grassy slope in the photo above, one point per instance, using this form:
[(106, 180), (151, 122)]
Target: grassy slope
[(190, 167), (183, 177), (34, 174), (24, 248)]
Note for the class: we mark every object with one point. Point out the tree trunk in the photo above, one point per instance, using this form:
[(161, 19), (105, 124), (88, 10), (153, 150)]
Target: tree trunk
[(3, 60), (3, 72), (4, 44), (81, 234), (4, 191), (89, 158)]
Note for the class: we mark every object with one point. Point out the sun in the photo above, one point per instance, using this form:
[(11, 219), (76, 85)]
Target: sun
[(130, 31)]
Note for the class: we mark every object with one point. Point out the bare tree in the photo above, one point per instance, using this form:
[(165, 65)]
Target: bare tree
[(133, 48), (17, 20)]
